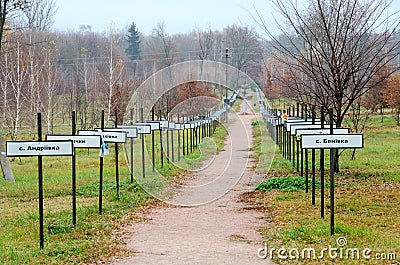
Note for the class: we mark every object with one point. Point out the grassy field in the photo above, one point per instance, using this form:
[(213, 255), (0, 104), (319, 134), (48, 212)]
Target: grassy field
[(96, 237), (367, 202)]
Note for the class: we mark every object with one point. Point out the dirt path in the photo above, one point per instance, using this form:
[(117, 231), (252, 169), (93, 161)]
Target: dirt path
[(217, 231)]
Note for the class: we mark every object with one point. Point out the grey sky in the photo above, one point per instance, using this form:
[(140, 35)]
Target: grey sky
[(179, 16)]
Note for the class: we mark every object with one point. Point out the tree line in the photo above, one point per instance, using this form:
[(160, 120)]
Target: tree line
[(337, 54)]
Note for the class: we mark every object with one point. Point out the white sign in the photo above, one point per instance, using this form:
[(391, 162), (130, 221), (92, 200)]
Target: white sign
[(155, 125), (330, 141), (108, 137), (79, 141), (42, 148), (190, 125), (163, 124), (131, 132), (171, 125), (322, 131), (179, 126), (143, 128), (289, 125), (294, 127)]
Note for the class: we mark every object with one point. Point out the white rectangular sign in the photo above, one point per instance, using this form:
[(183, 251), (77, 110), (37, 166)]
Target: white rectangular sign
[(108, 137), (163, 124), (294, 127), (155, 125), (142, 128), (289, 125), (329, 141), (322, 131), (42, 148), (131, 132), (179, 126), (171, 125), (79, 141)]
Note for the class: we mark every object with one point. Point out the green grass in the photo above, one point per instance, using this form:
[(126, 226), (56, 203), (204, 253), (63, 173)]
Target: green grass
[(95, 238), (285, 184), (367, 208)]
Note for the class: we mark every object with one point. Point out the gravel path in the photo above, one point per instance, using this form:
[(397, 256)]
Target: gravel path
[(216, 231)]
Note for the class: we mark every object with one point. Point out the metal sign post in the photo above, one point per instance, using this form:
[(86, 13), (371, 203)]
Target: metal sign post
[(39, 148), (313, 161), (332, 141), (79, 141), (116, 159), (101, 169)]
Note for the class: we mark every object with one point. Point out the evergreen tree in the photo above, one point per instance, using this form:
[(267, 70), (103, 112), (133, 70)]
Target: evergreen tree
[(133, 39)]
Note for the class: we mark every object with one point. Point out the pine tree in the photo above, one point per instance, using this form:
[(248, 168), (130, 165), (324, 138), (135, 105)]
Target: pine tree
[(133, 39)]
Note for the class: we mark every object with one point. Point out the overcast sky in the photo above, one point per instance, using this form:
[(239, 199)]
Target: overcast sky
[(180, 16)]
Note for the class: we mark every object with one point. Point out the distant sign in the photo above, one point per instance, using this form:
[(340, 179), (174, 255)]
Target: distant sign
[(42, 148), (130, 132), (163, 124), (79, 141), (190, 125), (322, 131), (107, 136), (155, 125), (171, 125), (179, 126), (294, 127), (339, 141)]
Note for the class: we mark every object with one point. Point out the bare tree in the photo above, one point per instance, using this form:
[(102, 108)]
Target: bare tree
[(115, 68), (7, 8), (244, 45), (18, 76), (334, 48), (164, 45), (205, 40), (50, 83), (40, 14)]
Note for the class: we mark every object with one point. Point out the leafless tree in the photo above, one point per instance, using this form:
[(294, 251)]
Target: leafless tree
[(39, 14), (334, 48), (164, 46), (205, 40), (245, 49), (115, 68), (50, 84), (18, 77)]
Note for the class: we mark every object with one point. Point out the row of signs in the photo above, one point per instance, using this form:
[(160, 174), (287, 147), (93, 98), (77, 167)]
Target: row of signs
[(315, 136), (63, 145)]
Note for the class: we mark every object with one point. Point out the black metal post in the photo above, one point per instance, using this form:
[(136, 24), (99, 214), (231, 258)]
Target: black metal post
[(179, 140), (143, 139), (313, 161), (73, 174), (153, 159), (306, 169), (131, 145), (116, 158), (332, 177), (101, 170), (322, 169), (40, 178)]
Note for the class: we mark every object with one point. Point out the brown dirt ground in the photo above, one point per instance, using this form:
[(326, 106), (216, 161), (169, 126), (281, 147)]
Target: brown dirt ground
[(221, 229)]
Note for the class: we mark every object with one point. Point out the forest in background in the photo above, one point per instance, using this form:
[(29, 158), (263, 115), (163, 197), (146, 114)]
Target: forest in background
[(53, 72)]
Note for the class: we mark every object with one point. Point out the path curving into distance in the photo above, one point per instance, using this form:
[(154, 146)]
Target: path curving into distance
[(218, 232)]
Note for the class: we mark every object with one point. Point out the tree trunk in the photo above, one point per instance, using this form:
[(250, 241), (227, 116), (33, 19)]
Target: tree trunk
[(5, 163)]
